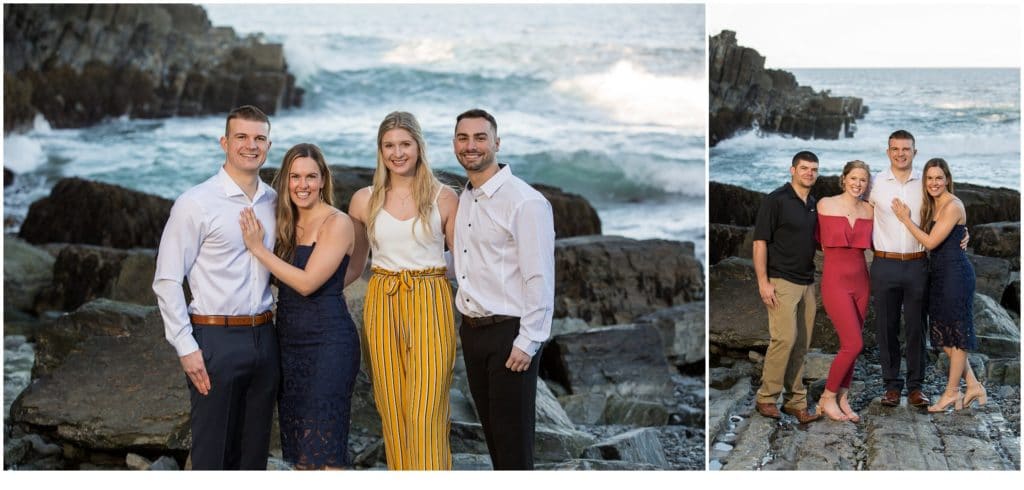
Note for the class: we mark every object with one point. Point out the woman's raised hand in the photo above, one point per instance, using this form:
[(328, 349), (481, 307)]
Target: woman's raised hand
[(252, 229), (900, 209)]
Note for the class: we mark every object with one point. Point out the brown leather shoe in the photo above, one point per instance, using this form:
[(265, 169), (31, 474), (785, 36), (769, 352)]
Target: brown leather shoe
[(802, 415), (891, 398), (918, 399), (769, 410)]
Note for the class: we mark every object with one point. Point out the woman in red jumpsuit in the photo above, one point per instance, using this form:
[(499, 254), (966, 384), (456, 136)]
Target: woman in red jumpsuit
[(844, 230)]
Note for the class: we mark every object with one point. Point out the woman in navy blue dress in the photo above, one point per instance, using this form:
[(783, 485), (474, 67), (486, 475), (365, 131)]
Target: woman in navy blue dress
[(319, 342), (950, 282)]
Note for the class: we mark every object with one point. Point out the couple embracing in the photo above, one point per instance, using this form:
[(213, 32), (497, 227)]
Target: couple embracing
[(898, 214), (238, 363)]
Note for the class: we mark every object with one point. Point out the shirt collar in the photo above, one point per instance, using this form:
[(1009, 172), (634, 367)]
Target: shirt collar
[(495, 182), (231, 189), (887, 174)]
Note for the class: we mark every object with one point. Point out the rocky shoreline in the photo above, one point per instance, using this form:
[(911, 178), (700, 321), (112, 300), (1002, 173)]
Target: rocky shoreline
[(744, 95), (900, 438), (79, 64), (104, 390)]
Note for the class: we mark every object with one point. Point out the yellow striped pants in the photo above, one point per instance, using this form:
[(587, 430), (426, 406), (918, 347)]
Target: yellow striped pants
[(410, 335)]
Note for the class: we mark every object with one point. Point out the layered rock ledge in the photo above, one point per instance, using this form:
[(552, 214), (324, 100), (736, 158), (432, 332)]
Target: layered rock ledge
[(78, 64), (744, 95)]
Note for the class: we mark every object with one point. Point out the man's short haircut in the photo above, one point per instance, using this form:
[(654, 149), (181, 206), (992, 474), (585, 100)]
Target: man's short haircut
[(804, 156), (474, 113), (902, 134), (248, 113)]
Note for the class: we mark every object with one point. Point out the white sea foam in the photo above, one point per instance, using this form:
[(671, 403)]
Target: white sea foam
[(23, 153), (634, 96), (421, 52)]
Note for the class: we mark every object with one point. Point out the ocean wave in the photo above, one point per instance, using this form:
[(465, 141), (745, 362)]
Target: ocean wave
[(420, 52), (633, 95), (23, 153), (613, 178), (961, 105)]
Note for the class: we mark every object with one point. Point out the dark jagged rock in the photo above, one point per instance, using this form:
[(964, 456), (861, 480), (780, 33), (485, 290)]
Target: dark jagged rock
[(85, 272), (95, 213), (998, 334), (120, 388), (624, 360), (991, 275), (1000, 239), (573, 215), (78, 64), (729, 241), (608, 279), (8, 175), (682, 331), (27, 271), (732, 205), (744, 94), (102, 317), (988, 204), (1011, 298), (636, 446)]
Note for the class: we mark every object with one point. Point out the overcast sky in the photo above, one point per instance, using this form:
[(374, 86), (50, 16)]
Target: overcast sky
[(826, 36)]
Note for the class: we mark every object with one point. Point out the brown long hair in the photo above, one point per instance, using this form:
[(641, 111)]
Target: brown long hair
[(425, 184), (286, 210), (928, 204)]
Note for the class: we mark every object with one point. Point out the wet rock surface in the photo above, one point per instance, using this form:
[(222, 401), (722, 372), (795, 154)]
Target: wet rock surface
[(886, 438)]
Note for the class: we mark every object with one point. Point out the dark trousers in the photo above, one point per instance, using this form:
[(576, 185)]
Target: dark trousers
[(231, 425), (505, 400), (900, 287)]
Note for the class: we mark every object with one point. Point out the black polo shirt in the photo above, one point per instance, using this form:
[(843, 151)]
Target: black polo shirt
[(787, 223)]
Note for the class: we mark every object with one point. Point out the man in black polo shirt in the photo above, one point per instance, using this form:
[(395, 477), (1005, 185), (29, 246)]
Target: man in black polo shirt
[(784, 247)]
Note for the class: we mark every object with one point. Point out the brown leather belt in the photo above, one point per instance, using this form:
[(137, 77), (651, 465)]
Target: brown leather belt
[(486, 320), (232, 321), (899, 256)]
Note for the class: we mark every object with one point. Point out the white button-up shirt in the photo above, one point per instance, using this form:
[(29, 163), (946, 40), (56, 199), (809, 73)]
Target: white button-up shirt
[(505, 256), (889, 234), (203, 241)]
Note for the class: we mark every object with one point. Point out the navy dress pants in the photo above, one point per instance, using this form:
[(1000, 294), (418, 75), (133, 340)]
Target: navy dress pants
[(231, 425), (900, 287)]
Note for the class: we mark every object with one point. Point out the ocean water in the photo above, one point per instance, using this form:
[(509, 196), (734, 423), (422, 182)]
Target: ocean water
[(607, 101), (968, 116)]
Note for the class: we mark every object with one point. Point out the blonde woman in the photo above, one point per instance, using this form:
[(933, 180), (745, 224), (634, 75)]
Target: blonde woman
[(409, 216)]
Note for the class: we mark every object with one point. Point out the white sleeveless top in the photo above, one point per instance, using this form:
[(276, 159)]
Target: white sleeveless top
[(401, 245)]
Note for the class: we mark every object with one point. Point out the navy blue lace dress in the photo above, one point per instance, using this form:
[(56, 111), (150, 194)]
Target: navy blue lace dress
[(951, 294), (319, 363)]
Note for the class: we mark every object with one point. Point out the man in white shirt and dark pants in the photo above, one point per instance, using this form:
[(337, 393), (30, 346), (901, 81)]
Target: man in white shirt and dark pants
[(505, 267), (899, 274), (225, 338)]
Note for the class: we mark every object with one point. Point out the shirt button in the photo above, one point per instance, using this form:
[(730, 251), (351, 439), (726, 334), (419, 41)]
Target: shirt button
[(463, 250), (470, 225)]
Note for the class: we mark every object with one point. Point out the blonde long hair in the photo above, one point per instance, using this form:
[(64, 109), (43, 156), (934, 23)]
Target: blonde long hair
[(286, 210), (928, 204), (425, 184)]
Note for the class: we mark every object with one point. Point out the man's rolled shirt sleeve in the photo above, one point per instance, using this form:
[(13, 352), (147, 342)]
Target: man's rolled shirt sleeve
[(535, 241), (179, 247)]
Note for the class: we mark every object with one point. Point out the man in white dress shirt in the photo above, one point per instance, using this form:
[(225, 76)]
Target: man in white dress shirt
[(899, 274), (505, 267), (225, 338)]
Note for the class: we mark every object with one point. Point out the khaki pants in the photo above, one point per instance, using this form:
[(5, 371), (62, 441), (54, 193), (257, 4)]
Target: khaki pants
[(790, 325)]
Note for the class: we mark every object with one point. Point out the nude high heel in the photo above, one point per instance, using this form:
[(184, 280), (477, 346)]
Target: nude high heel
[(827, 405), (948, 397), (844, 406), (978, 394)]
